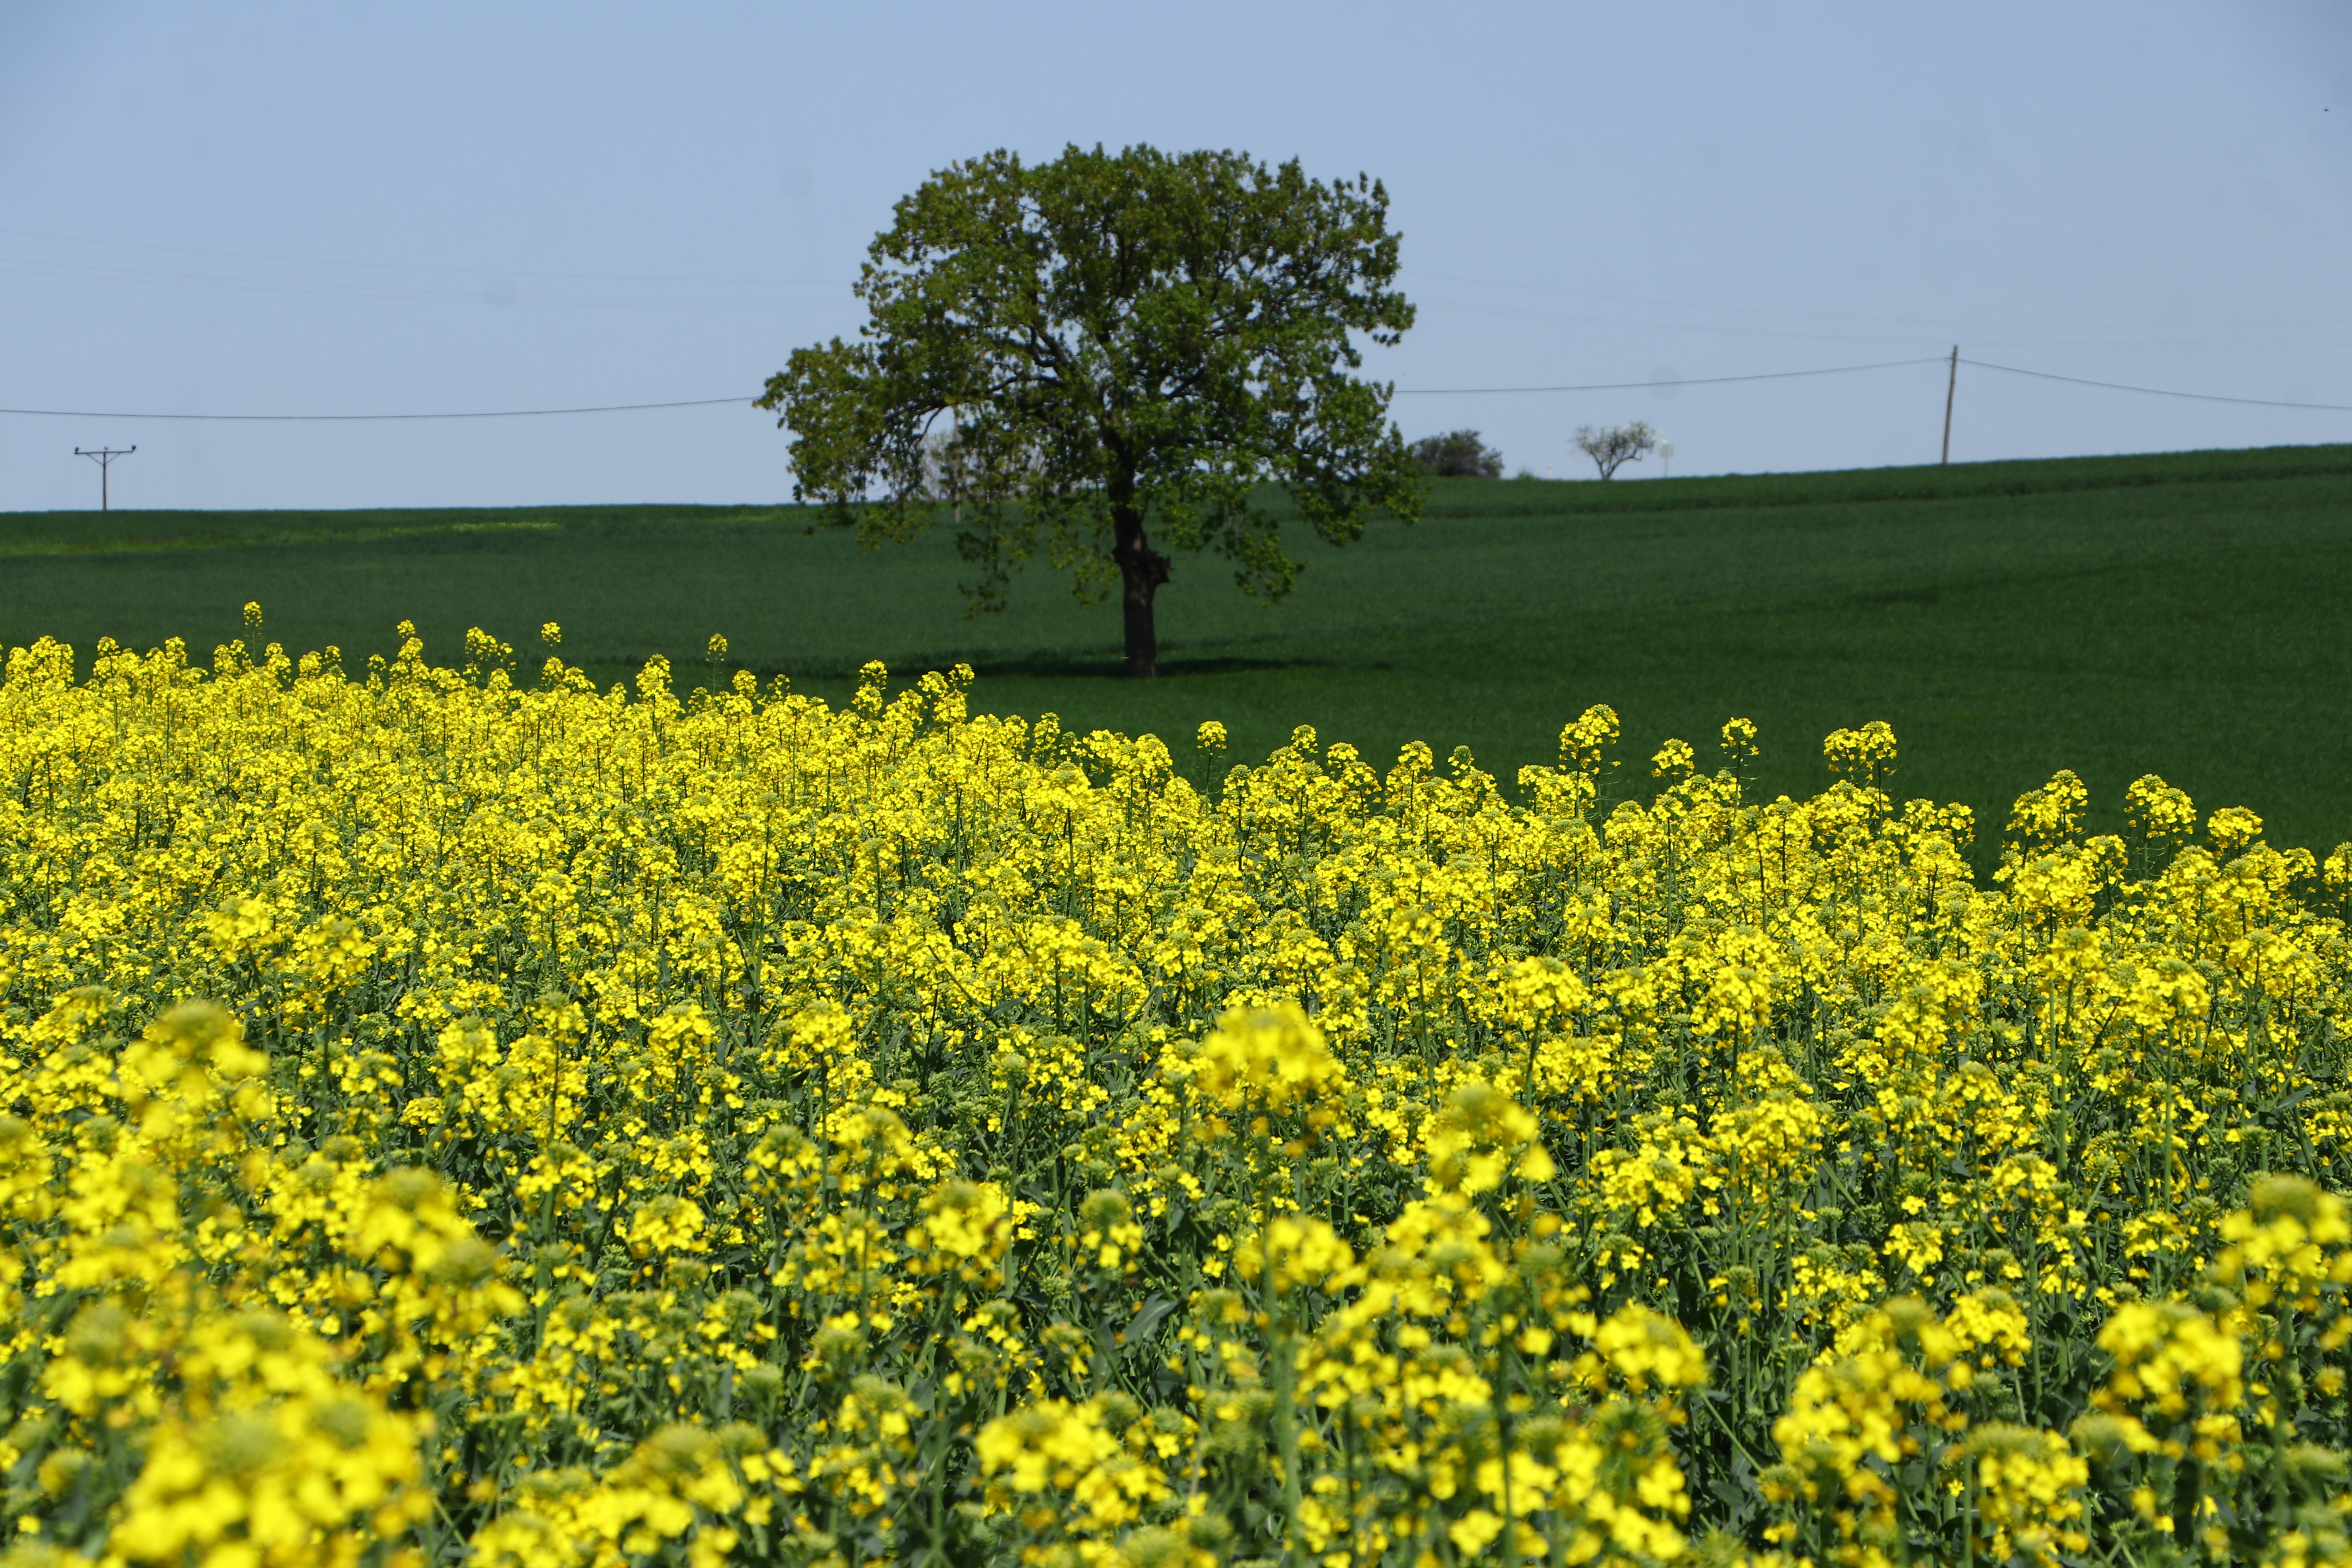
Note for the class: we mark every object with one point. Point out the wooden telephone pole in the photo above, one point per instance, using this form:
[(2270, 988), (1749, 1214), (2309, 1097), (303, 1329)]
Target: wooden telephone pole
[(1951, 386), (104, 457)]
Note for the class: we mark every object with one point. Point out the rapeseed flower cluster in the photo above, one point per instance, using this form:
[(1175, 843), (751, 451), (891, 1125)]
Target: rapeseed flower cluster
[(456, 1119)]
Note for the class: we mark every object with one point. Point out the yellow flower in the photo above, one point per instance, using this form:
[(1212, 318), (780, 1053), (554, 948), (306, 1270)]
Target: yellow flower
[(1645, 1348), (2168, 1353), (667, 1224), (1290, 1253), (968, 1222), (749, 1124), (1478, 1137), (1267, 1060)]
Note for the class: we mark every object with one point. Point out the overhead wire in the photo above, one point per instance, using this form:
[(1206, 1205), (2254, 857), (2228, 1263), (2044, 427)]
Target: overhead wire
[(361, 419), (91, 272), (1663, 380), (1943, 324), (413, 266), (2159, 390), (1400, 391)]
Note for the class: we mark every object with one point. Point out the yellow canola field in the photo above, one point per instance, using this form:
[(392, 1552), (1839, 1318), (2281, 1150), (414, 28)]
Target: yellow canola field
[(456, 1120)]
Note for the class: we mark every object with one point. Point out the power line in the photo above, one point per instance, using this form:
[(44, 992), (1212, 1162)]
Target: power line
[(1640, 385), (316, 287), (1852, 316), (1400, 391), (101, 274), (2161, 391), (353, 419), (714, 402), (1883, 339), (410, 265), (491, 271)]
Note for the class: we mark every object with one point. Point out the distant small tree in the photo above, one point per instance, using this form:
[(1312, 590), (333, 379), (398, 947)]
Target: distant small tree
[(1612, 447), (952, 468), (1457, 455)]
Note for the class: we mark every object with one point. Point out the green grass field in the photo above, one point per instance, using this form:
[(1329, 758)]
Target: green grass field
[(2178, 614)]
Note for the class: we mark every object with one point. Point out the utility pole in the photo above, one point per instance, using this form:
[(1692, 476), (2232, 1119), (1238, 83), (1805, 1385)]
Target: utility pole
[(104, 457), (1951, 386)]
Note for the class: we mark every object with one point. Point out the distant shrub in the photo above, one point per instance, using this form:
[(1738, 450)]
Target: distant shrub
[(1457, 455)]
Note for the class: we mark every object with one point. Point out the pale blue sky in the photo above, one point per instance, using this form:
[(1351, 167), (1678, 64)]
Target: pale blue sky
[(305, 208)]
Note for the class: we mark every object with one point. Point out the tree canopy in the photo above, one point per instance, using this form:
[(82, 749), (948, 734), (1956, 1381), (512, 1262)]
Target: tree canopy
[(1457, 455), (1068, 353)]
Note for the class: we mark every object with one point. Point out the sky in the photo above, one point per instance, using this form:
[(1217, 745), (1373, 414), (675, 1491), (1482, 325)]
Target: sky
[(254, 209)]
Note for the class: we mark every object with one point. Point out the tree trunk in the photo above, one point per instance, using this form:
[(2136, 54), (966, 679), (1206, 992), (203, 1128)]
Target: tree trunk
[(1141, 570)]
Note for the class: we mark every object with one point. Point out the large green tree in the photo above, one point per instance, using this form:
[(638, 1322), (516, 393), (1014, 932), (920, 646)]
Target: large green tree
[(1063, 355)]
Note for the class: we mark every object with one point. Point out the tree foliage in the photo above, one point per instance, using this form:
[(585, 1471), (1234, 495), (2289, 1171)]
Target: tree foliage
[(1612, 447), (1066, 351), (1457, 455)]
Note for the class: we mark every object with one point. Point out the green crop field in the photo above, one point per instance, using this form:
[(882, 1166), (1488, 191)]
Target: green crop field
[(2118, 615)]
